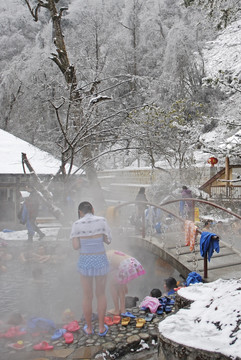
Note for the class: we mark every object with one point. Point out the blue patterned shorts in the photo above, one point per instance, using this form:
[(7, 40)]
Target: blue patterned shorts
[(93, 265)]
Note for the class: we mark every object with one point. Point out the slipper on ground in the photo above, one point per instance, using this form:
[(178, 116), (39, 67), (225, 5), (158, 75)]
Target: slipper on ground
[(140, 322), (58, 333), (85, 330), (149, 317), (105, 332), (72, 326), (168, 309), (43, 346), (116, 319), (108, 320), (128, 314), (68, 337), (125, 321), (144, 308), (166, 301), (159, 311)]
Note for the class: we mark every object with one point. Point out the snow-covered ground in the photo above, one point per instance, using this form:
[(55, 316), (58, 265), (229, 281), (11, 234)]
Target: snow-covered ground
[(224, 53), (213, 321), (8, 234)]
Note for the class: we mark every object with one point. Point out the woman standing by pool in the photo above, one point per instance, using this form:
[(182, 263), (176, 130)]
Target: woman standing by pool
[(124, 268), (89, 234)]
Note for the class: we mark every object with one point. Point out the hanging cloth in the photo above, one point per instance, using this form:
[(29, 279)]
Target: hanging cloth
[(208, 243), (190, 234)]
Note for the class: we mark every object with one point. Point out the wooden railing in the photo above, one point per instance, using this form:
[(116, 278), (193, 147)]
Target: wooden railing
[(225, 192)]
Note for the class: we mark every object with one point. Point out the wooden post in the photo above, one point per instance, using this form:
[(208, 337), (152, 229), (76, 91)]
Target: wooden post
[(205, 266), (227, 175), (42, 192), (205, 260)]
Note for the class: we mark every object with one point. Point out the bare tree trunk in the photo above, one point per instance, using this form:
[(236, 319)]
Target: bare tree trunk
[(62, 61), (45, 195)]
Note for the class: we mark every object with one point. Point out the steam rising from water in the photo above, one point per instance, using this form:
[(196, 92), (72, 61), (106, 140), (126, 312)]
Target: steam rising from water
[(46, 289)]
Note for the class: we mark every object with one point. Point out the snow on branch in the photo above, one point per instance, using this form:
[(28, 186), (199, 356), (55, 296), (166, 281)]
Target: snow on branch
[(98, 99), (33, 11)]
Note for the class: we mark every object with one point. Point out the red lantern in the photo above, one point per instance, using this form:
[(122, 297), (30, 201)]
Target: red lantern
[(212, 160)]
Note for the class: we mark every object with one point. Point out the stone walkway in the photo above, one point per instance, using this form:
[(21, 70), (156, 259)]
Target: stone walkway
[(119, 342)]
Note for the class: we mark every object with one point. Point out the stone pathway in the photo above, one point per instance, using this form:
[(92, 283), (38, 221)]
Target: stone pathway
[(118, 343)]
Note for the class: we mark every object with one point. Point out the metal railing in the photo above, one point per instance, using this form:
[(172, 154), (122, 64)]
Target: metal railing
[(162, 207)]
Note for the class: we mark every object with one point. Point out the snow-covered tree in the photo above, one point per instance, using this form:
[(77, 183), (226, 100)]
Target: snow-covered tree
[(220, 12), (169, 135), (87, 127)]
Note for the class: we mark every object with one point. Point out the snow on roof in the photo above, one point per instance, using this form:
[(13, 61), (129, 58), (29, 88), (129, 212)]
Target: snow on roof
[(11, 149), (212, 322)]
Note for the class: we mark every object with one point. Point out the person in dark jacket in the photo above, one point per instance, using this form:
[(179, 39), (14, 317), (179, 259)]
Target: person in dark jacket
[(140, 208), (141, 196), (29, 214), (186, 193)]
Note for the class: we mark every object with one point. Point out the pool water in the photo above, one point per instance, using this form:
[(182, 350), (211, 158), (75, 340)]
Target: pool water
[(47, 289)]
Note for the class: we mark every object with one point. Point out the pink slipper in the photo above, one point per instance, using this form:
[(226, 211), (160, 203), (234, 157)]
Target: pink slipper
[(69, 338), (72, 326), (116, 319), (43, 346), (108, 320)]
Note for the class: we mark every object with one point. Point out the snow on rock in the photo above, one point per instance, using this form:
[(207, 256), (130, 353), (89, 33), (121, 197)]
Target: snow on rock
[(213, 321)]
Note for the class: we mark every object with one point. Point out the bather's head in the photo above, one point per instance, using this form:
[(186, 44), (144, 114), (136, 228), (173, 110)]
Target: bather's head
[(156, 293), (85, 208), (170, 284)]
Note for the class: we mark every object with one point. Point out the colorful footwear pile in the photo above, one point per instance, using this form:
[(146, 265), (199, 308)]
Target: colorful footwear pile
[(37, 327), (126, 318), (166, 304), (14, 332)]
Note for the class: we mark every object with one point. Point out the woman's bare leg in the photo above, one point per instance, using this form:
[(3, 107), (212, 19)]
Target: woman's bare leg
[(115, 297), (123, 290), (87, 286), (100, 285)]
